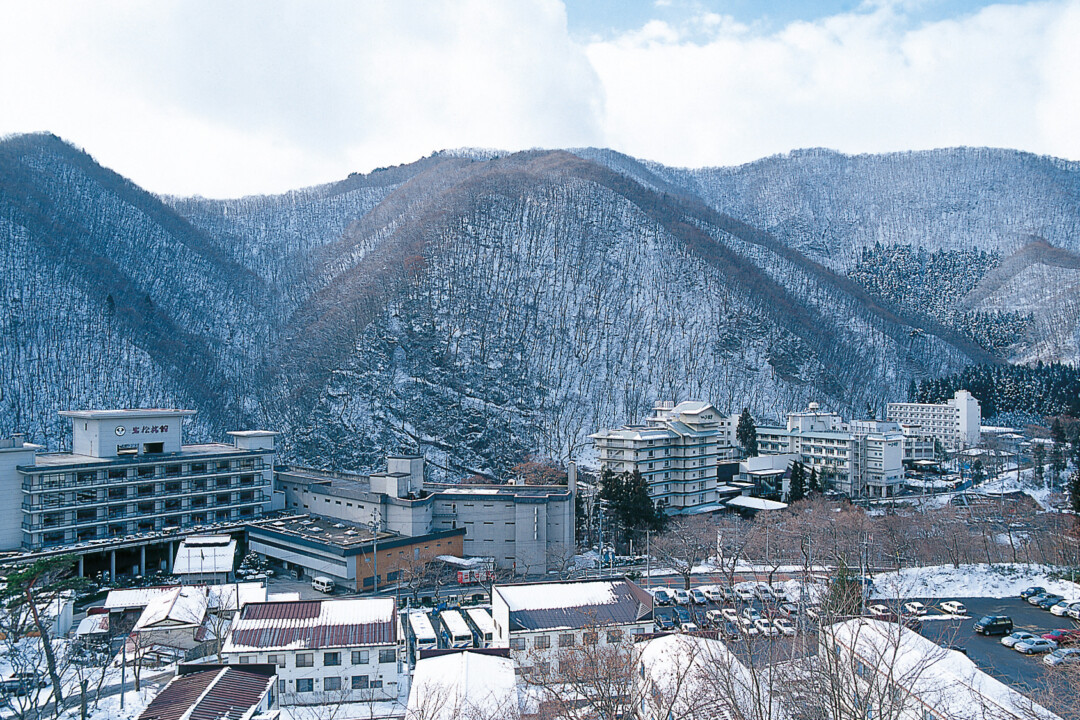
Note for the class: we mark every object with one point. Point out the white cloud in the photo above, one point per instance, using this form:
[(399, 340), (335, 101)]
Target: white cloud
[(256, 96), (867, 81)]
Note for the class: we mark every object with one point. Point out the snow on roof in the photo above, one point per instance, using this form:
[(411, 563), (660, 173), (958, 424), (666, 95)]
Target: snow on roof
[(754, 503), (93, 625), (313, 624), (690, 407), (465, 684), (131, 598), (421, 625), (454, 623), (550, 596), (282, 596), (482, 620), (183, 606), (205, 554), (945, 680), (223, 597)]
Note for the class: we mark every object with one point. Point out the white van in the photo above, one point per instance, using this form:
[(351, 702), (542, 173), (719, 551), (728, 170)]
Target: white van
[(323, 584)]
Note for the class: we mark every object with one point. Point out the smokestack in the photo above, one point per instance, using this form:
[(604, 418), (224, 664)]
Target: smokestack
[(571, 477)]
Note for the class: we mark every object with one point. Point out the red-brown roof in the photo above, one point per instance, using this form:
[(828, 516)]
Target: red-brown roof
[(215, 694), (313, 625)]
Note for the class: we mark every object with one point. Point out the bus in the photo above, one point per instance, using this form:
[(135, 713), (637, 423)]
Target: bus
[(456, 634), (422, 631), (483, 624)]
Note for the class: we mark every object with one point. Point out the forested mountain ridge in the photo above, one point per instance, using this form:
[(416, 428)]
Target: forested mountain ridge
[(473, 308)]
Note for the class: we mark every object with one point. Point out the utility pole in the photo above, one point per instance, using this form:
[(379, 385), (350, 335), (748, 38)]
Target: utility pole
[(375, 548)]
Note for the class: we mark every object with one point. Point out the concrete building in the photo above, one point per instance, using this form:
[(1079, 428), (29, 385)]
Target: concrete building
[(675, 451), (326, 651), (130, 480), (205, 559), (860, 459), (353, 555), (541, 622), (954, 423), (524, 528)]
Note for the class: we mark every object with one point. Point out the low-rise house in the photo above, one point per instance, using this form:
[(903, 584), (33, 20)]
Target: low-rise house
[(172, 620), (464, 685), (883, 669), (205, 559), (326, 651), (215, 692), (540, 622)]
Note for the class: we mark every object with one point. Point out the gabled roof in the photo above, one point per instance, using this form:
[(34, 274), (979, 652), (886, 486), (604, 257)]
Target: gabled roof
[(462, 685), (132, 598), (182, 607), (215, 694), (539, 606), (313, 624)]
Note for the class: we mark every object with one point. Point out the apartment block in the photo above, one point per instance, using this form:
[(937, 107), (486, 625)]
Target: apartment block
[(955, 423), (675, 451)]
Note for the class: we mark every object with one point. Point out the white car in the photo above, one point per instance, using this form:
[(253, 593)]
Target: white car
[(681, 596), (1062, 656), (765, 593), (914, 608), (698, 598), (745, 594), (877, 609), (713, 592), (954, 607), (730, 614), (784, 626), (750, 613), (688, 627), (1062, 608), (716, 617), (813, 612), (765, 627), (1017, 636)]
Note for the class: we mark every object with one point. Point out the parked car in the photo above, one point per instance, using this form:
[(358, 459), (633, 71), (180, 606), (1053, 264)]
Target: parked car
[(21, 683), (1074, 611), (1049, 601), (765, 627), (1016, 636), (751, 613), (1062, 656), (1033, 590), (1061, 609), (994, 625), (730, 630), (730, 614), (765, 593), (1033, 646), (714, 593), (914, 608), (681, 596), (789, 609), (664, 622), (877, 610), (813, 612), (682, 615), (744, 594), (954, 607), (1035, 599), (784, 626), (715, 618), (689, 627), (698, 598), (1063, 637), (663, 597)]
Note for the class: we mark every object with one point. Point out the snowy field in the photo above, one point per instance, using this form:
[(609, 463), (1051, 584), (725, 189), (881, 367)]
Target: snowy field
[(982, 580)]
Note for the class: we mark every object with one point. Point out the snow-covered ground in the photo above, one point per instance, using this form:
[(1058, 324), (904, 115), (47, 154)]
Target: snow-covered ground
[(981, 580)]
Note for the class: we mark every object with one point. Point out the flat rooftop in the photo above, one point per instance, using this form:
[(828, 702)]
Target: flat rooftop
[(322, 530), (60, 459), (130, 413)]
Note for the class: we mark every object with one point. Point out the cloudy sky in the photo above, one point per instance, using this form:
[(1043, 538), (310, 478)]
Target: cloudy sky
[(257, 96)]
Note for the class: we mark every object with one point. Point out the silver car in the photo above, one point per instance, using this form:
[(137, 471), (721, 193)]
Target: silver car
[(1061, 656), (1034, 646), (1017, 636)]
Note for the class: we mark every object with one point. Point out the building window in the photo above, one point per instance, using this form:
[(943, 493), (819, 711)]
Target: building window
[(153, 448), (331, 658), (588, 637), (517, 643), (281, 687), (376, 684), (117, 493), (144, 491), (198, 468), (305, 660), (305, 685), (387, 656), (198, 485), (614, 637), (359, 682), (542, 642), (247, 659), (359, 657), (117, 474), (566, 640), (278, 660), (331, 684)]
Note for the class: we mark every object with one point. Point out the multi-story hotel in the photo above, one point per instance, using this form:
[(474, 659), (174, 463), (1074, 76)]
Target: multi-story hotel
[(676, 451), (129, 476), (864, 458), (954, 423)]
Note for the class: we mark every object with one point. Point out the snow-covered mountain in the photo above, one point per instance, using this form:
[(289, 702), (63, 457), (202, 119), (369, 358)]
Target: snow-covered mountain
[(478, 307)]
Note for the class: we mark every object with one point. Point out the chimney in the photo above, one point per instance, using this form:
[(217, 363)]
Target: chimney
[(571, 477)]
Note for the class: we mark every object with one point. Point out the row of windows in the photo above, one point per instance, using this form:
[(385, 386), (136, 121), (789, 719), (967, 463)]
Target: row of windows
[(329, 659), (333, 684), (567, 640)]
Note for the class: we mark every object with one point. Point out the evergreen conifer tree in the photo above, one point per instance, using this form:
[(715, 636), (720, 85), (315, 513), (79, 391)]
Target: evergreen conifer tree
[(814, 483), (746, 433), (797, 484)]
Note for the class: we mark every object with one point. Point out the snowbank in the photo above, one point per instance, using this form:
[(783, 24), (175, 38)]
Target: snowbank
[(982, 580)]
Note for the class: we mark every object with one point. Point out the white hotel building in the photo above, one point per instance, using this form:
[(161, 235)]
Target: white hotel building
[(675, 451), (954, 423), (128, 480), (862, 459)]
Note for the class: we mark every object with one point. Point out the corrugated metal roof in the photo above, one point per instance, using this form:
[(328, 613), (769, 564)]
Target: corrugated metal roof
[(629, 604), (217, 694), (313, 625)]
